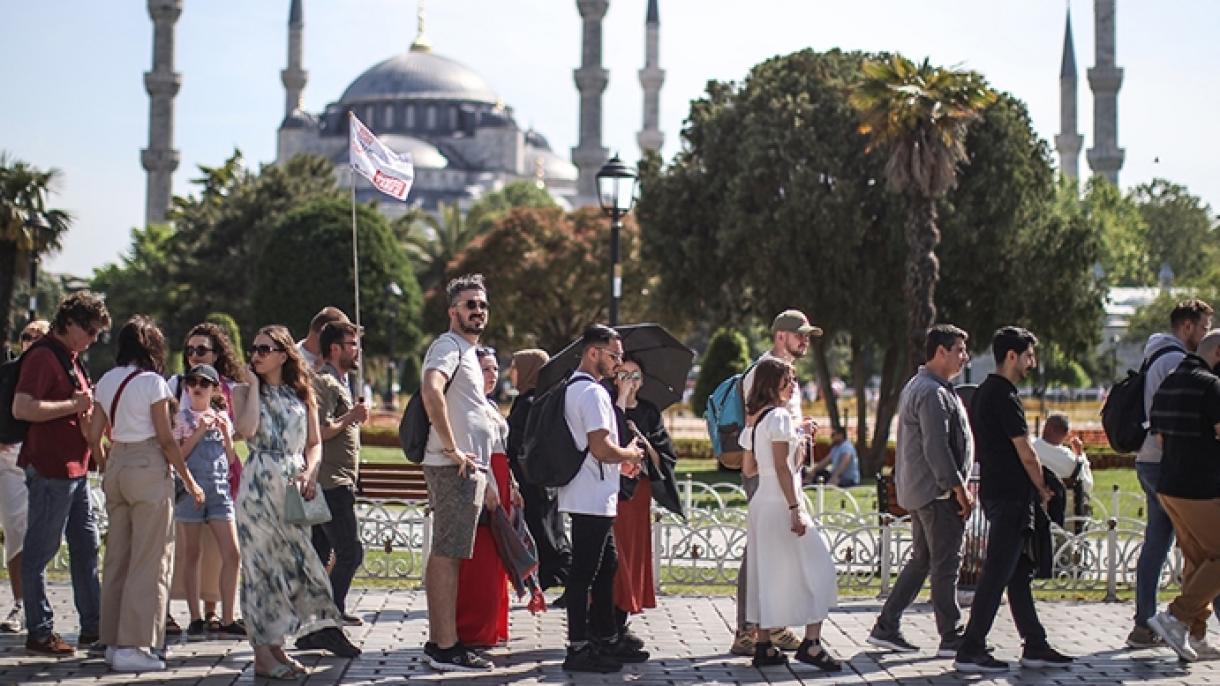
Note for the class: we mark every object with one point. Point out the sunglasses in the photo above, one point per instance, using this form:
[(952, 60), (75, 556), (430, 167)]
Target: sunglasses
[(474, 305), (617, 357), (630, 376), (263, 350), (196, 382), (198, 350), (27, 337)]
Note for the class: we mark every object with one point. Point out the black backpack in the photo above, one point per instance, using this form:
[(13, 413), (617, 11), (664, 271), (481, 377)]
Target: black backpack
[(415, 426), (1123, 416), (549, 456), (13, 430)]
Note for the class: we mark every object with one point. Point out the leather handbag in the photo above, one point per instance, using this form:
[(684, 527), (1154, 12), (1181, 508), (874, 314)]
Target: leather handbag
[(302, 512)]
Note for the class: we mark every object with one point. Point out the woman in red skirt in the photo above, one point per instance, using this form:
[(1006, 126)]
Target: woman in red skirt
[(634, 585), (482, 603)]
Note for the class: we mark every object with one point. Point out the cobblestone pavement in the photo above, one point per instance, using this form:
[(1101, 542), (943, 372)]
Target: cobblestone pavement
[(688, 636)]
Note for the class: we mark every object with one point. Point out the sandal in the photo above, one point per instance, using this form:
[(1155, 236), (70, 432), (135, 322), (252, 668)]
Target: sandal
[(822, 659), (767, 655), (281, 672), (213, 623)]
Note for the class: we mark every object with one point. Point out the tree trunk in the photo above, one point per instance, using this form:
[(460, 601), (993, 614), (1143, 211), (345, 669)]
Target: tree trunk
[(822, 366), (859, 378), (892, 380), (8, 281), (923, 271)]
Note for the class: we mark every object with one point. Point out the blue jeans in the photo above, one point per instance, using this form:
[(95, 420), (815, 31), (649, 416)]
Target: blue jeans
[(1158, 537), (59, 507)]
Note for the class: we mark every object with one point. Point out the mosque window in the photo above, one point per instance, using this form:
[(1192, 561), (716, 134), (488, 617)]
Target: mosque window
[(389, 116), (430, 118), (410, 113), (369, 112), (453, 118)]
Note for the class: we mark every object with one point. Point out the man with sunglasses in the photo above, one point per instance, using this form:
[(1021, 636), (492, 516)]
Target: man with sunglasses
[(457, 461), (790, 334), (15, 500), (339, 421), (53, 394)]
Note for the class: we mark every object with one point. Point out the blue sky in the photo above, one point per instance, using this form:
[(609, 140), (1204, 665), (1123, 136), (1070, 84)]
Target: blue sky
[(73, 96)]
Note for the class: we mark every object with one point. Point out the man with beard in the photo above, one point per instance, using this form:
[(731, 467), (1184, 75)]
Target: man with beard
[(790, 333), (339, 422), (1011, 486), (456, 466), (591, 501)]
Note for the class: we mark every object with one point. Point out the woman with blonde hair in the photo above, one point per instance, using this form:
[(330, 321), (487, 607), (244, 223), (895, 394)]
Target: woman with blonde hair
[(284, 588)]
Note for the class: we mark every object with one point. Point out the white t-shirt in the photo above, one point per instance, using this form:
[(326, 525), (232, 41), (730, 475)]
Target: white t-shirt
[(314, 362), (594, 489), (133, 419), (472, 425), (1062, 461), (794, 403)]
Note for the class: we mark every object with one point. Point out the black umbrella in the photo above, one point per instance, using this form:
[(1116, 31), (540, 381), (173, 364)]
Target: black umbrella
[(665, 360)]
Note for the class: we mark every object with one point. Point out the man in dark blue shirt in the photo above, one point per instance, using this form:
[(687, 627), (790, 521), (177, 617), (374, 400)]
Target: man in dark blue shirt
[(1011, 486)]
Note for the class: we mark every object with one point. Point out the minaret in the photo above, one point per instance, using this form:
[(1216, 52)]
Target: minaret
[(1105, 78), (652, 76), (1068, 141), (591, 80), (294, 76), (162, 83)]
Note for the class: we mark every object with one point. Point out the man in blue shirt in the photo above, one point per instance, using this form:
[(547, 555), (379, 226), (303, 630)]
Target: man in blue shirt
[(841, 466)]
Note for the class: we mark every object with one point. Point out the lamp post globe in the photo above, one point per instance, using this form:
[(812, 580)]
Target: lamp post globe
[(616, 195)]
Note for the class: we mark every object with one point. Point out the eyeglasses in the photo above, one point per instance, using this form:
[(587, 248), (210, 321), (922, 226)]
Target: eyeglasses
[(29, 336), (630, 376), (196, 382), (198, 350), (617, 357), (485, 352), (264, 350), (474, 305)]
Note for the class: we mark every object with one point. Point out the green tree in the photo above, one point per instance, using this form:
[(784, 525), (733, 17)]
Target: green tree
[(308, 265), (1124, 234), (1181, 228), (27, 227), (727, 354), (487, 210), (919, 116), (143, 281), (229, 326), (432, 241)]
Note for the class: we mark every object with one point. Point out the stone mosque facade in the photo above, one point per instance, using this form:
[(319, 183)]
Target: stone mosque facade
[(463, 139)]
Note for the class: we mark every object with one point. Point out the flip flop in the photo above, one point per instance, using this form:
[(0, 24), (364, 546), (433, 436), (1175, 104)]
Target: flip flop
[(281, 672), (296, 666)]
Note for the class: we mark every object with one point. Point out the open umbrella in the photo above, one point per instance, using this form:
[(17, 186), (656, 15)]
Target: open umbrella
[(666, 362)]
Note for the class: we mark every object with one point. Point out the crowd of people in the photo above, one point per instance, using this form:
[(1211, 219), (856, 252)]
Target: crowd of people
[(188, 519)]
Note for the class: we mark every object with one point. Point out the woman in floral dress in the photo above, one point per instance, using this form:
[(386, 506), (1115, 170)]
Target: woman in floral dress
[(284, 588)]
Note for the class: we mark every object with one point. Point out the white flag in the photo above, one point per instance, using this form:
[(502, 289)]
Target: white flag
[(388, 171)]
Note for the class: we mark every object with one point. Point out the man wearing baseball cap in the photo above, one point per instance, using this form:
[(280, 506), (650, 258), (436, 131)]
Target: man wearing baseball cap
[(790, 334)]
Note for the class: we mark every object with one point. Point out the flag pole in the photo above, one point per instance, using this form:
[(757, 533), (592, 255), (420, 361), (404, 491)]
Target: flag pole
[(356, 292)]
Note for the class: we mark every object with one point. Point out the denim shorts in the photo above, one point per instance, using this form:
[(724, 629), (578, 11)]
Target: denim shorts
[(212, 475)]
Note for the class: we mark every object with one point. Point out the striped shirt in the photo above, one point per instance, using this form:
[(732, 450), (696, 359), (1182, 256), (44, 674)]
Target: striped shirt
[(1185, 412)]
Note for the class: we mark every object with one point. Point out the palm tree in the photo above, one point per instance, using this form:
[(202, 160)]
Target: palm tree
[(432, 241), (27, 227), (919, 116)]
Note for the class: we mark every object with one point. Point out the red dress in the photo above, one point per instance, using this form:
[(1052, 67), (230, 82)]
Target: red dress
[(482, 602), (634, 588)]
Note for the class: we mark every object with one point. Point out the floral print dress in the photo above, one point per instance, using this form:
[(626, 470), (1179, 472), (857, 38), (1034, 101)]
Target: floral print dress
[(284, 587)]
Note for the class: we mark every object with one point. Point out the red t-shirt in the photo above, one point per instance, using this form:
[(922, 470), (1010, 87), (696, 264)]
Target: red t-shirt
[(55, 449)]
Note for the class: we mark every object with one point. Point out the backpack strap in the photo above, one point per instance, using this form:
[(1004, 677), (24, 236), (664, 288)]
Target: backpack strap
[(65, 360), (1157, 355)]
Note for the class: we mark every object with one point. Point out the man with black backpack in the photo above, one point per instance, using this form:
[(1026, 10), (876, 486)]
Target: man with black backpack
[(54, 396), (1189, 321), (591, 500)]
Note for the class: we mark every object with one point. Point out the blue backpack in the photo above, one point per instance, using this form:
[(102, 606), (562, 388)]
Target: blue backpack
[(726, 419)]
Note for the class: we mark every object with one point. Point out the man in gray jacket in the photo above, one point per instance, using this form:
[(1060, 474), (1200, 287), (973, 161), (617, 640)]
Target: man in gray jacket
[(932, 466), (1189, 321)]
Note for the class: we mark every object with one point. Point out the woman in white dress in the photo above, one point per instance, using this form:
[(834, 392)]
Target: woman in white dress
[(791, 578)]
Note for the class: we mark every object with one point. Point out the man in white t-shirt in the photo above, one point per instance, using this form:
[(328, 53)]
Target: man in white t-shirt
[(456, 466), (591, 501), (790, 334), (1068, 464)]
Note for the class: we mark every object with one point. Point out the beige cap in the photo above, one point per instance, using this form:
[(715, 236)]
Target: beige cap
[(794, 321)]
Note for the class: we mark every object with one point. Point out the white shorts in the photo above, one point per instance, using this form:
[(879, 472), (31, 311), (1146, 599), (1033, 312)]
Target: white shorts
[(14, 501)]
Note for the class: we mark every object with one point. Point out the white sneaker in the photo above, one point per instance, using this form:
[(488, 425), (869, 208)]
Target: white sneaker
[(14, 621), (1203, 649), (135, 660), (1174, 632), (109, 656)]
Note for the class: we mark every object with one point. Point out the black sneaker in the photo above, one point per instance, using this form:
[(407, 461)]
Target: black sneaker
[(197, 630), (457, 658), (329, 639), (950, 644), (587, 658), (623, 651), (627, 637), (236, 628), (892, 640), (1046, 656), (767, 655), (979, 664)]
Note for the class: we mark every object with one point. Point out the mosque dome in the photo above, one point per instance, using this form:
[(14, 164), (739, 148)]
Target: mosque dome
[(419, 75)]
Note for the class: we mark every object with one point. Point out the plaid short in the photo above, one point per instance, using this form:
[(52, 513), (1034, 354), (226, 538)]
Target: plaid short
[(456, 504)]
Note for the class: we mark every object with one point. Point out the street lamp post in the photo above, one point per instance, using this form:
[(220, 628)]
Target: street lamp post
[(394, 292), (616, 194)]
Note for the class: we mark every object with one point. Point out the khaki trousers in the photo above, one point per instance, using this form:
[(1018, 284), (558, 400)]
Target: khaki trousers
[(139, 545), (1197, 525)]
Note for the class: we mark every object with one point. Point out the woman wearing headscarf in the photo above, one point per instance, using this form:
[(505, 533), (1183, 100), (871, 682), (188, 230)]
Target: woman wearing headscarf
[(541, 504)]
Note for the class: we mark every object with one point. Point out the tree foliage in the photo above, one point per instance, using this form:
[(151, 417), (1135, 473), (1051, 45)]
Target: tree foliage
[(27, 226), (1181, 229), (727, 354)]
